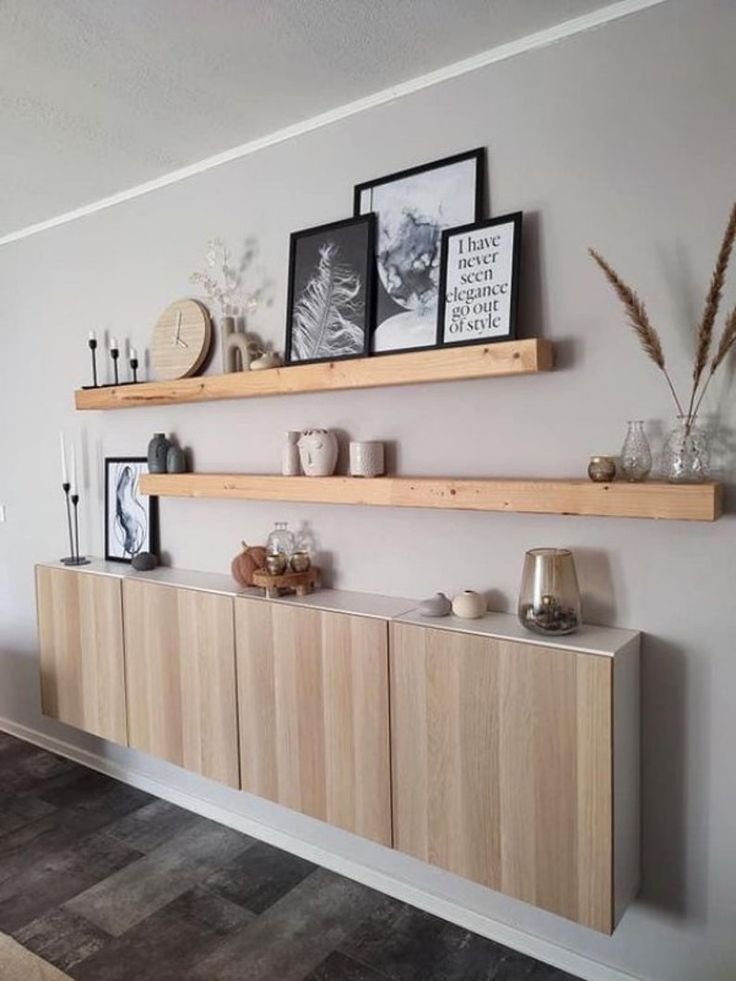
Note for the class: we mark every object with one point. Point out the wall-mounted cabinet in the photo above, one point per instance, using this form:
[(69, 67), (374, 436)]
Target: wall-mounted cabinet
[(313, 701), (506, 758), (80, 632), (180, 677)]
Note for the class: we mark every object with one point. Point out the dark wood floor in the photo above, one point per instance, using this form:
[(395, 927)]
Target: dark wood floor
[(111, 884)]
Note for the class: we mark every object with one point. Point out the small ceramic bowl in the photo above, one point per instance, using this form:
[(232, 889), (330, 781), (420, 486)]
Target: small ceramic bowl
[(300, 562)]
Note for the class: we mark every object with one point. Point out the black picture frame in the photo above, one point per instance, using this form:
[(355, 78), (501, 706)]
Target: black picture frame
[(356, 237), (515, 220), (114, 549), (427, 231)]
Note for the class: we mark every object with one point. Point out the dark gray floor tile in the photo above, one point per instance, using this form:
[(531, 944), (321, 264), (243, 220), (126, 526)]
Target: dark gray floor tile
[(161, 947), (152, 882), (18, 810), (79, 789), (35, 842), (152, 826), (28, 772), (409, 945), (59, 877), (294, 935), (259, 877), (338, 967), (62, 938)]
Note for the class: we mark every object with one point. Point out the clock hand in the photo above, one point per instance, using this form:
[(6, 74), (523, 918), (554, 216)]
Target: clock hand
[(178, 327)]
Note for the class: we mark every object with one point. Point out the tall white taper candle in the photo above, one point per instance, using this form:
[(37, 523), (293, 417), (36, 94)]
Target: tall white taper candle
[(74, 470), (64, 472)]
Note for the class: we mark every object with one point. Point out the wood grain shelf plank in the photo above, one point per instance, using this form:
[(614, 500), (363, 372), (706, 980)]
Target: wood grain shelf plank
[(687, 502), (436, 365)]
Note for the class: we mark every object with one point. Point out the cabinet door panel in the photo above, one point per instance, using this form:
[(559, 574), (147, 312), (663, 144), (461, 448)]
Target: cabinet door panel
[(502, 766), (313, 702), (80, 630), (180, 672)]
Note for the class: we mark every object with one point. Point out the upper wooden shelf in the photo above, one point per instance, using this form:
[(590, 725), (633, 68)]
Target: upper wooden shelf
[(436, 365), (687, 502)]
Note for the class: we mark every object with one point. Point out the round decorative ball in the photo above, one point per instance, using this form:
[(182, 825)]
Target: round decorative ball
[(435, 606), (144, 562), (469, 605), (252, 558)]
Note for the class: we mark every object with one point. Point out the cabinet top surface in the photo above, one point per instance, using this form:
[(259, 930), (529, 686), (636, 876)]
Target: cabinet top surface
[(589, 639)]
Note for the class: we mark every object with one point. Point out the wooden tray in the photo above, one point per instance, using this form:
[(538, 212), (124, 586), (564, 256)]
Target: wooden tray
[(302, 583)]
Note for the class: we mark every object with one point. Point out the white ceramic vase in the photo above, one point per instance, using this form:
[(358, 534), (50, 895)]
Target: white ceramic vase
[(469, 605), (318, 452), (290, 454), (366, 459)]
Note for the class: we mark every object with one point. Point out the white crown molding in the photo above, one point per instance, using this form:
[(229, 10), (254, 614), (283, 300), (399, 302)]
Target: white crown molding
[(597, 18), (546, 951)]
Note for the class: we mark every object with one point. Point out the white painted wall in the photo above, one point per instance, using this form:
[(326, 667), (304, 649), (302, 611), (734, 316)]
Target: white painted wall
[(624, 138)]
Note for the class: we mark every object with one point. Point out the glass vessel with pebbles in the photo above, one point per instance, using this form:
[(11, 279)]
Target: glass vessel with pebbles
[(549, 600), (281, 540)]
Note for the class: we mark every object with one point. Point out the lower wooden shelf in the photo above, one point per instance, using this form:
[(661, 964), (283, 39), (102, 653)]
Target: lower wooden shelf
[(686, 502)]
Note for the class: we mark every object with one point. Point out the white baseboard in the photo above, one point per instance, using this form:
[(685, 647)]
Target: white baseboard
[(543, 950)]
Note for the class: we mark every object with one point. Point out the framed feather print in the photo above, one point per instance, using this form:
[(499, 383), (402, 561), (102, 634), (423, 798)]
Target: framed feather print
[(413, 208), (330, 305)]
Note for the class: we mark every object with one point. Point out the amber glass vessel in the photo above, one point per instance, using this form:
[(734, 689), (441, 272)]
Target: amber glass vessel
[(549, 600)]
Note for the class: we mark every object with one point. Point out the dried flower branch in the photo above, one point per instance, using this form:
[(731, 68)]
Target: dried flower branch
[(712, 302), (222, 281), (727, 342), (638, 319)]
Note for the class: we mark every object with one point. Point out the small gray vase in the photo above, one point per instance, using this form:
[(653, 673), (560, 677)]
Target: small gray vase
[(157, 451), (176, 460)]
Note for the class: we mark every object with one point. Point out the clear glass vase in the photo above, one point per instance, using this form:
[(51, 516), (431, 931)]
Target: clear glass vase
[(281, 540), (636, 455), (686, 455), (549, 599)]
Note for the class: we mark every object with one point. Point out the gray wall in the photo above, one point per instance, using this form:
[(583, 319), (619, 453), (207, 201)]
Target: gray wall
[(624, 138)]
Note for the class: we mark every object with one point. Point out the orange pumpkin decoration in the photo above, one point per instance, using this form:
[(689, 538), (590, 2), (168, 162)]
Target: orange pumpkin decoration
[(252, 558)]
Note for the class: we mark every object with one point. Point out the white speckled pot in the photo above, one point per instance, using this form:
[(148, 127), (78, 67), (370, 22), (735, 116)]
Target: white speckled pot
[(366, 459), (469, 605), (318, 452)]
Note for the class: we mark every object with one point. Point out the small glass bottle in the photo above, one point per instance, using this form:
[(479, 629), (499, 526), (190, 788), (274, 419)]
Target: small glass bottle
[(636, 456), (280, 540)]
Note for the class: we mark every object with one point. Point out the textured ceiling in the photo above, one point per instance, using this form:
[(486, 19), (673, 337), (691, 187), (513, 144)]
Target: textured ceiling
[(99, 95)]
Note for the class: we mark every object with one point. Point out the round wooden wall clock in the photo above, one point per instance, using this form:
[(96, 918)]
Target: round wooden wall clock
[(181, 340)]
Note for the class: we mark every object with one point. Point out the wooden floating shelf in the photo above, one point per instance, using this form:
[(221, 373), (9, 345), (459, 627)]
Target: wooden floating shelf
[(686, 502), (436, 365)]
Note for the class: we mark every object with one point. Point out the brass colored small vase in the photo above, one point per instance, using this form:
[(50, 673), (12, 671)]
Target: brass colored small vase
[(602, 469)]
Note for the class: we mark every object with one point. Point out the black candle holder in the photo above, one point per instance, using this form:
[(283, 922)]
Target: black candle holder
[(69, 559), (115, 354), (92, 345), (134, 370), (75, 558)]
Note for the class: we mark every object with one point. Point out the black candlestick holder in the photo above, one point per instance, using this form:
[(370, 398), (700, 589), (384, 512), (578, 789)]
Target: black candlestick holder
[(72, 501), (115, 354), (92, 344), (134, 369)]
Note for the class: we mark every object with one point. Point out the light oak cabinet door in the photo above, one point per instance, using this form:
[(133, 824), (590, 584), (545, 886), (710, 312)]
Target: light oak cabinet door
[(503, 766), (180, 678), (80, 629), (313, 703)]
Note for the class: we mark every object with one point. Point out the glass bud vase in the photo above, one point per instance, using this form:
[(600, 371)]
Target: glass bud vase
[(549, 599), (686, 456), (636, 456), (280, 540)]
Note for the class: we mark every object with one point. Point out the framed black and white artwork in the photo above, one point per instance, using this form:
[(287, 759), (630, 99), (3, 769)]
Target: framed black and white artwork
[(413, 208), (479, 281), (330, 305), (129, 515)]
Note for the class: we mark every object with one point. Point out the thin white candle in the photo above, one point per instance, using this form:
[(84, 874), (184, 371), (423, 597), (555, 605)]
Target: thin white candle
[(114, 344), (133, 354), (92, 336), (64, 472), (74, 470)]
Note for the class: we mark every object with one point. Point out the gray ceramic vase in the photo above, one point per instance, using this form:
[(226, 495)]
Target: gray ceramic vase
[(435, 606), (158, 449), (176, 460)]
